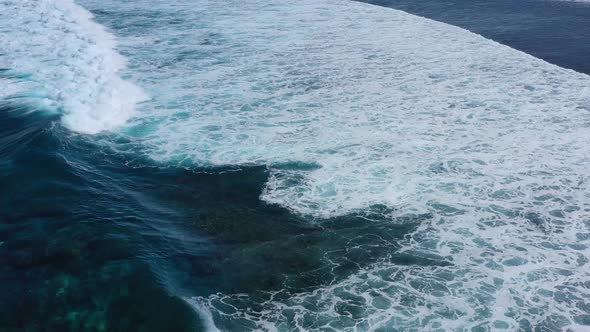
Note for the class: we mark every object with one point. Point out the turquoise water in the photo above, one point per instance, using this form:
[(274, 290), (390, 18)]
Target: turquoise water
[(315, 166)]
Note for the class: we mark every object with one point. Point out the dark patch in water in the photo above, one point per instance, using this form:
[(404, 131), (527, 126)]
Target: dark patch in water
[(94, 240)]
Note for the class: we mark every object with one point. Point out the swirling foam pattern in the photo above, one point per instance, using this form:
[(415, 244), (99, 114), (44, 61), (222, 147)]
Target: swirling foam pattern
[(60, 60), (350, 106)]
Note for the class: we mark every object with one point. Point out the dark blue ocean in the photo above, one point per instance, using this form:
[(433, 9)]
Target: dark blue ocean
[(259, 165)]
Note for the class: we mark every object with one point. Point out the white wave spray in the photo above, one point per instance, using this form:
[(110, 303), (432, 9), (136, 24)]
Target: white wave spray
[(63, 60)]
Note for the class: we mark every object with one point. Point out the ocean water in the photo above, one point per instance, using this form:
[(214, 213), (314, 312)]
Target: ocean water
[(310, 165)]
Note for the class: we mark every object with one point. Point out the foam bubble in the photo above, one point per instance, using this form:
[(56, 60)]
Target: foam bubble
[(62, 59)]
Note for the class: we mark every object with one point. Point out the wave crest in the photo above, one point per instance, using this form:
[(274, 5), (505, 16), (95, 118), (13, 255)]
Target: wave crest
[(66, 62)]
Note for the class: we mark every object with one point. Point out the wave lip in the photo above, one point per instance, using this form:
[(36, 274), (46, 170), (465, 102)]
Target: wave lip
[(72, 64)]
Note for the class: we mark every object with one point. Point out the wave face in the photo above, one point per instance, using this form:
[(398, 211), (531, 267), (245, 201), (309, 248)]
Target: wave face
[(359, 114), (60, 60)]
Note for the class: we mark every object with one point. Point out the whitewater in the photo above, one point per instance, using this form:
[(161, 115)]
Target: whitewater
[(352, 108), (64, 62)]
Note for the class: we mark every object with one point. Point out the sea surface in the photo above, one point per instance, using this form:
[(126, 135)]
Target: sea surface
[(306, 165)]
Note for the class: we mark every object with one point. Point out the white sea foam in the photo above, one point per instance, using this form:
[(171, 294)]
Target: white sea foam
[(205, 314), (391, 107), (66, 61), (351, 105), (388, 108)]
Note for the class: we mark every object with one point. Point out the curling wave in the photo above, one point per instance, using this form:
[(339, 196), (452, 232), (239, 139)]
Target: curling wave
[(59, 59)]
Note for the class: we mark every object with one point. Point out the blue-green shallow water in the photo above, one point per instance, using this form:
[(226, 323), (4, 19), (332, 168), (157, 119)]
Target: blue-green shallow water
[(94, 241), (96, 238), (70, 255)]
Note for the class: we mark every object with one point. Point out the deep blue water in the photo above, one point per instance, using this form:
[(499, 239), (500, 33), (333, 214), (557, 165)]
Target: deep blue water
[(96, 238)]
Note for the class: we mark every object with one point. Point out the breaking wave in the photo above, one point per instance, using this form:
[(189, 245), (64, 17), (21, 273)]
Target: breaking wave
[(60, 60)]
